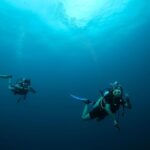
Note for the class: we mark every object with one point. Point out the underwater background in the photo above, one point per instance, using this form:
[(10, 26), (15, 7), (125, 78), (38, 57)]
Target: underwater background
[(74, 47)]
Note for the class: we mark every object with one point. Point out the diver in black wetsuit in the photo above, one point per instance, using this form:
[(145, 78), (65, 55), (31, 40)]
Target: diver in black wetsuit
[(21, 87), (108, 104)]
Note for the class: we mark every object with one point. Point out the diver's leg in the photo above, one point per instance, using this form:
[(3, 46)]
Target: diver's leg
[(97, 103), (85, 113), (5, 76), (32, 90)]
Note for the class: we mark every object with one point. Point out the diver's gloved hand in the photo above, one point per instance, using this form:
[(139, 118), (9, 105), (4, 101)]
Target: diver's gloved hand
[(116, 124), (128, 103)]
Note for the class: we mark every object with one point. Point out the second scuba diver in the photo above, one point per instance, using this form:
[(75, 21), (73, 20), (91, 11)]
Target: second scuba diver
[(108, 104)]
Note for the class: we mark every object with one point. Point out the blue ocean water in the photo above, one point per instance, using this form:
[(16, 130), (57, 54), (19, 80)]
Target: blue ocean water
[(79, 48)]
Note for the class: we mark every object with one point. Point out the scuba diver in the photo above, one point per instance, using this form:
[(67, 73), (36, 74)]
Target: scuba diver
[(22, 87), (5, 76), (108, 104)]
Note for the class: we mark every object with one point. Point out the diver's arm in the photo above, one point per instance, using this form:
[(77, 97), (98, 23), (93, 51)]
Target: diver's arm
[(18, 86), (127, 102), (32, 90), (108, 110), (11, 87)]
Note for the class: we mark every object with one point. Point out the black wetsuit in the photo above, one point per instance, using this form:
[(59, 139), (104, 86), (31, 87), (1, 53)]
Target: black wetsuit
[(109, 98), (23, 90)]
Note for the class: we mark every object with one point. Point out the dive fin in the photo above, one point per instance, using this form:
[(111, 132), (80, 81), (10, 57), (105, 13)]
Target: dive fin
[(84, 100), (78, 98)]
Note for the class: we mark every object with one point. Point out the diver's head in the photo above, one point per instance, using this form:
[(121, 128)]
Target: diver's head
[(26, 81), (117, 92)]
